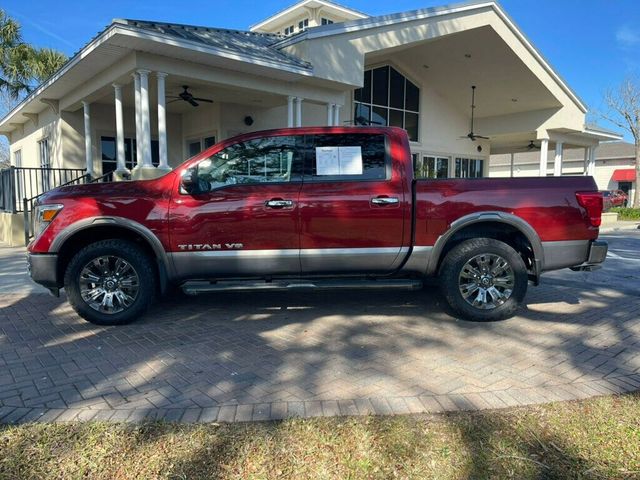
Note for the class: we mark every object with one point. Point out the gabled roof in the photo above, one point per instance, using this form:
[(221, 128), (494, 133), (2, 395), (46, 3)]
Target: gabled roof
[(425, 13), (243, 43)]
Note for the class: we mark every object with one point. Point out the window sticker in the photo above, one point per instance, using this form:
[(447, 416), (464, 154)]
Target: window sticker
[(338, 160)]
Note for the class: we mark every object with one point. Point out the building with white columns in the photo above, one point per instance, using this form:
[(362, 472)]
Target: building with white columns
[(143, 96)]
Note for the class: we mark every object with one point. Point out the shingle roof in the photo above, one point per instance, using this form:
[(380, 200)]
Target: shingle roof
[(237, 41)]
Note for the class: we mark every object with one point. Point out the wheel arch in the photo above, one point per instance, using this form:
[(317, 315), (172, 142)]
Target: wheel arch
[(498, 225), (86, 231)]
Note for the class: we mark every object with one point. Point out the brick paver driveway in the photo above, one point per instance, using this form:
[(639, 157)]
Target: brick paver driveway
[(257, 356)]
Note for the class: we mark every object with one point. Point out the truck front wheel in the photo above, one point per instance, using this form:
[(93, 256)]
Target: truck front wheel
[(110, 282), (484, 280)]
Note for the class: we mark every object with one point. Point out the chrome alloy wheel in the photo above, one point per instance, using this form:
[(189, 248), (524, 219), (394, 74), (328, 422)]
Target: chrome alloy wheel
[(486, 281), (109, 284)]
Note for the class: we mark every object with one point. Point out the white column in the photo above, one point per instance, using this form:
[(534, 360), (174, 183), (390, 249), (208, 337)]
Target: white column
[(122, 168), (336, 114), (145, 119), (136, 86), (162, 123), (290, 101), (298, 112), (586, 161), (592, 160), (512, 162), (88, 149), (330, 114), (557, 161), (544, 151)]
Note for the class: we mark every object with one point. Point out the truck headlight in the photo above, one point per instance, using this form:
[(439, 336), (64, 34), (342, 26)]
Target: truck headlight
[(43, 215)]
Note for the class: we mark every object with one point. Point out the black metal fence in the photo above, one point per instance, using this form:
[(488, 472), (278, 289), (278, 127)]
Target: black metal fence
[(19, 183), (28, 203)]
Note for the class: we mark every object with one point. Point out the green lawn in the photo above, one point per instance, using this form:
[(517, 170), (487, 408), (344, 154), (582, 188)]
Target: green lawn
[(597, 438)]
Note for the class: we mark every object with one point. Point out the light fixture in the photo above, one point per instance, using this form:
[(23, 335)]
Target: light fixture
[(467, 55), (514, 100)]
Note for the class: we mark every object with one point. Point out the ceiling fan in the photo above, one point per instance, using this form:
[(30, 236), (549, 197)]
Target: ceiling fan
[(188, 97), (472, 136), (531, 146)]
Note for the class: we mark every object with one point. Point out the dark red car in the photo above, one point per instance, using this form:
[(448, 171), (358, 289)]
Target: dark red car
[(324, 207)]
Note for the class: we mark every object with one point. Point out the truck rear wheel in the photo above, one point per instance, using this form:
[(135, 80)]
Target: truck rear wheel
[(484, 280), (110, 282)]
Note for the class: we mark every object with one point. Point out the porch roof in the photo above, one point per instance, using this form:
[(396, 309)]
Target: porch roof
[(242, 43)]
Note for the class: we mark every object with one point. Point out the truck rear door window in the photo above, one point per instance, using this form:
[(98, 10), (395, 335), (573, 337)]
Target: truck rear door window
[(347, 157)]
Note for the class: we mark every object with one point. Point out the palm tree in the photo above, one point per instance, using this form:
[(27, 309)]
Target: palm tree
[(21, 65)]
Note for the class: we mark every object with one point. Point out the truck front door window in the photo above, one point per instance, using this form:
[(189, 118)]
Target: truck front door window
[(262, 160)]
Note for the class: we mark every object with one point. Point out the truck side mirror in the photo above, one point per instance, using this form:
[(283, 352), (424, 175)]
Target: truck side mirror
[(189, 180)]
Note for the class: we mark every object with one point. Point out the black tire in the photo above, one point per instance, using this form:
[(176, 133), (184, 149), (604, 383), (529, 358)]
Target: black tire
[(452, 283), (135, 257)]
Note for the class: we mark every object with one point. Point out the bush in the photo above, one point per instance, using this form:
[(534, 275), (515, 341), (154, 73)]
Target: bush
[(627, 213)]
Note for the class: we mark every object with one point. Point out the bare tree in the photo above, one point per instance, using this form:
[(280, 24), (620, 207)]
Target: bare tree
[(7, 102), (623, 110)]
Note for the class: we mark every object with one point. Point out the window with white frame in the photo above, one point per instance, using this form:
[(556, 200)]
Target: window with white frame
[(199, 144), (387, 98), (431, 166), (45, 163), (17, 158), (289, 30), (109, 156), (326, 21), (469, 167), (303, 25), (17, 162)]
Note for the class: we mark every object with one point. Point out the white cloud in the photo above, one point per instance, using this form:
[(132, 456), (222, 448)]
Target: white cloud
[(627, 37)]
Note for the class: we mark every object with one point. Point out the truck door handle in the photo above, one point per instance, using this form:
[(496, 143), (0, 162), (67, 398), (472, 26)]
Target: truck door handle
[(385, 201), (278, 203)]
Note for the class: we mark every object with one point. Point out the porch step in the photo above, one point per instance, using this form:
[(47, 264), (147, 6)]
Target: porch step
[(197, 287)]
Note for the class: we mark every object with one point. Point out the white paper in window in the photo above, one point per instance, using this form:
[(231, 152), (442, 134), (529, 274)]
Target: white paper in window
[(327, 161), (350, 160)]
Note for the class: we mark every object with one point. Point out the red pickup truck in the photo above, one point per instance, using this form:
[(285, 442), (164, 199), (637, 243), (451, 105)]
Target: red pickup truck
[(311, 208)]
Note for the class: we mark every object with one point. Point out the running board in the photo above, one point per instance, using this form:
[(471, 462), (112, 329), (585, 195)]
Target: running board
[(195, 288)]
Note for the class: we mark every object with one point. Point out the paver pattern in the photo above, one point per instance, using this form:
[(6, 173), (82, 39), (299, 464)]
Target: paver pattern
[(260, 356)]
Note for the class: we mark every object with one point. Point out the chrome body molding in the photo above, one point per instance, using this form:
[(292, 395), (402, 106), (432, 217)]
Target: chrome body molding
[(351, 260), (563, 254), (212, 263), (481, 217), (136, 227), (418, 260)]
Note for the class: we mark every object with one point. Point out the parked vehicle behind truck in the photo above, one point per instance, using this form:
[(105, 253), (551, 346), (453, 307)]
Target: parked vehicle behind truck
[(324, 207)]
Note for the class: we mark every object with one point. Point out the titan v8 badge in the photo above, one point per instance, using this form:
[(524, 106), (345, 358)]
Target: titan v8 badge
[(211, 246)]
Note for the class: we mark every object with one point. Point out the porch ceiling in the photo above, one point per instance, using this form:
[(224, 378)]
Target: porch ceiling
[(174, 84), (452, 63)]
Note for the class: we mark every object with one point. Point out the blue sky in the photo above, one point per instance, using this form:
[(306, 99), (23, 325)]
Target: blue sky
[(593, 44)]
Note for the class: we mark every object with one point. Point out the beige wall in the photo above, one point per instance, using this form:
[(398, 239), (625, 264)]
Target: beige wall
[(26, 139)]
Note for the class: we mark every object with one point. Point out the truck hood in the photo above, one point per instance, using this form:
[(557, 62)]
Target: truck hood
[(130, 189)]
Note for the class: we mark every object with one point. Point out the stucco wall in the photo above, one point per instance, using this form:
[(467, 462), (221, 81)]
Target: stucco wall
[(26, 140)]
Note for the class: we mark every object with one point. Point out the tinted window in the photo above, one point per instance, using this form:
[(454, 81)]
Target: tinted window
[(263, 160), (354, 156)]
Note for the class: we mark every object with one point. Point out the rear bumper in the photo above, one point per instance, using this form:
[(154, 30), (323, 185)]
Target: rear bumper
[(43, 269), (597, 254)]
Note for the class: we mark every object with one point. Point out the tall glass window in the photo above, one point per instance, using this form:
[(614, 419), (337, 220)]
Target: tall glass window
[(387, 98)]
